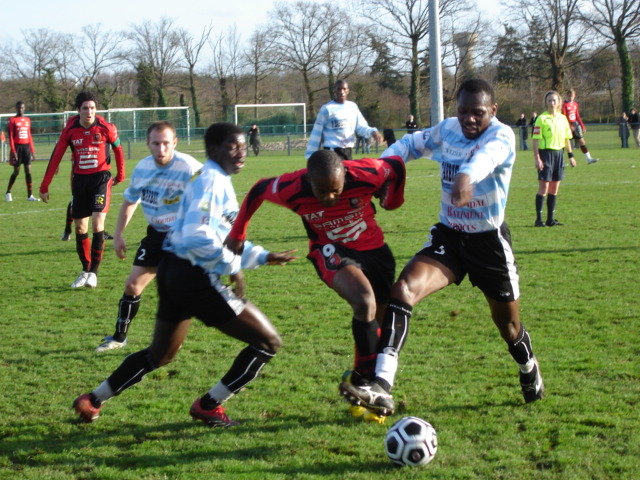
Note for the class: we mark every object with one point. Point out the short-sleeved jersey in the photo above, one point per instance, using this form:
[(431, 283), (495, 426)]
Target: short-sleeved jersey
[(551, 131), (337, 125), (207, 211), (488, 160), (159, 188), (89, 148), (572, 112), (20, 132), (351, 221)]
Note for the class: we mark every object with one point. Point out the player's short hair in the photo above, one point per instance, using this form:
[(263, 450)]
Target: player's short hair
[(477, 85), (85, 96), (160, 126), (19, 103), (571, 91), (324, 163), (217, 133)]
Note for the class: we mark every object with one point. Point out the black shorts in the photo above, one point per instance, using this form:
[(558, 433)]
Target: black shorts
[(23, 155), (553, 169), (576, 128), (486, 257), (187, 291), (150, 250), (378, 265), (345, 153), (90, 193)]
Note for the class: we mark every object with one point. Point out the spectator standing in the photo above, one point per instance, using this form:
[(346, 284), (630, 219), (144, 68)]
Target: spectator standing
[(337, 124), (623, 129), (521, 123), (21, 151), (634, 123), (411, 125), (532, 122), (254, 139)]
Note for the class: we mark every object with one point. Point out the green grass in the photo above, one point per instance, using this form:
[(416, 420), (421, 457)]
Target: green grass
[(579, 301)]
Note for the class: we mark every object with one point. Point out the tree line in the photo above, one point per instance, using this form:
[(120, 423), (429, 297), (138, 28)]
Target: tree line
[(379, 46)]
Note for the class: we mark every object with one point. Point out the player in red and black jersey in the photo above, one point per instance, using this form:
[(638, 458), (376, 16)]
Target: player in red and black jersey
[(91, 139), (571, 110), (22, 151), (346, 245)]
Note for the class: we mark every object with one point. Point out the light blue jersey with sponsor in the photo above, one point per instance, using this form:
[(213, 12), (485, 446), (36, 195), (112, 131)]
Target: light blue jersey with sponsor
[(207, 211), (488, 160), (159, 188), (336, 126)]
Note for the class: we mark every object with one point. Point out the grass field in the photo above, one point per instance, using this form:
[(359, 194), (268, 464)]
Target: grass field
[(580, 303)]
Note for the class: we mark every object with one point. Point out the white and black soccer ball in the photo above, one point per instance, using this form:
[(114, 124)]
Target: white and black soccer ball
[(411, 441)]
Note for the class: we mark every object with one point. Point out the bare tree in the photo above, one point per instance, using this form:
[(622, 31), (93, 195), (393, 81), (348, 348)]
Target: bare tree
[(259, 56), (552, 26), (226, 65), (191, 49), (618, 21), (156, 51), (405, 26)]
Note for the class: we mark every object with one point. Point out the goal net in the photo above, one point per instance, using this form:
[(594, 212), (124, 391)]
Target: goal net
[(273, 118)]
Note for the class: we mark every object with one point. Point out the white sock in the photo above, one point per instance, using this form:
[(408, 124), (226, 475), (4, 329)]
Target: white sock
[(527, 367), (103, 392), (387, 365), (220, 393)]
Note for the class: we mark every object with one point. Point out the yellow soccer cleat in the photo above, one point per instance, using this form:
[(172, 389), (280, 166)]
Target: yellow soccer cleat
[(371, 417)]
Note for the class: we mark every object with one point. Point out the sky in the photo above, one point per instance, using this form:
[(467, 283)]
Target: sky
[(71, 15)]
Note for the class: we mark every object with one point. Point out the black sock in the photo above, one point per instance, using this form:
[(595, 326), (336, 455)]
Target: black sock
[(246, 368), (366, 336), (97, 248), (131, 371), (539, 204), (551, 207), (395, 325), (127, 310), (520, 349)]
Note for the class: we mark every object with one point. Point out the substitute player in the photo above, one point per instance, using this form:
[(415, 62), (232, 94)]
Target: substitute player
[(190, 285), (22, 151), (346, 245), (157, 183), (476, 153), (571, 110), (90, 137)]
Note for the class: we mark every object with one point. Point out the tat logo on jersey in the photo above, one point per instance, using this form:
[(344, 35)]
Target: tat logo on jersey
[(76, 142)]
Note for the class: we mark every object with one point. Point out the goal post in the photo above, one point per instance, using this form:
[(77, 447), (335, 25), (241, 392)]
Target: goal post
[(281, 117)]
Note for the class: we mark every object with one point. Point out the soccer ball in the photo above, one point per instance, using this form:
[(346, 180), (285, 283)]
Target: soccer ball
[(411, 441)]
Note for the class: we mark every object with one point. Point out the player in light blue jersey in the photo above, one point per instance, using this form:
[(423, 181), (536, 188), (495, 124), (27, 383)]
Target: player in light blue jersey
[(190, 285), (476, 153), (337, 124), (157, 184)]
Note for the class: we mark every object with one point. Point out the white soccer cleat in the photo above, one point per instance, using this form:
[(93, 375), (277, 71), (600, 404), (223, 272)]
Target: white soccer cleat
[(81, 280), (592, 160), (109, 343), (32, 199), (92, 280), (8, 197)]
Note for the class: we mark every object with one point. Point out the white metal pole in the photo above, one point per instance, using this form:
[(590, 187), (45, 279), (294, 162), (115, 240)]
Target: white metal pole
[(435, 63)]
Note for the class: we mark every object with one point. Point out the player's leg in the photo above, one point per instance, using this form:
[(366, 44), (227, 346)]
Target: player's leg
[(552, 199), (544, 177), (128, 306), (68, 222), (12, 180), (506, 316), (28, 179), (351, 284)]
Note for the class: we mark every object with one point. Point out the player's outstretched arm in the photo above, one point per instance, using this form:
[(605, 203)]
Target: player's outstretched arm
[(281, 258)]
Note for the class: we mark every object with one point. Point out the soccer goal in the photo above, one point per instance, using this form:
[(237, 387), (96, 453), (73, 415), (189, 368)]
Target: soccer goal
[(273, 118)]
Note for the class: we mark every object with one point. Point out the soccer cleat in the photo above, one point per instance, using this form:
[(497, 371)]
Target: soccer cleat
[(92, 280), (31, 198), (65, 236), (107, 236), (592, 160), (532, 385), (357, 411), (81, 280), (372, 396), (8, 197), (109, 343), (372, 417), (214, 418), (554, 223), (538, 223), (88, 413)]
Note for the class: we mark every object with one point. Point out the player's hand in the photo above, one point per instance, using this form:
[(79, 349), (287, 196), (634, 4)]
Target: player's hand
[(377, 137), (572, 161), (236, 246), (120, 246), (12, 157), (539, 164), (462, 191), (44, 197), (281, 258), (238, 284)]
